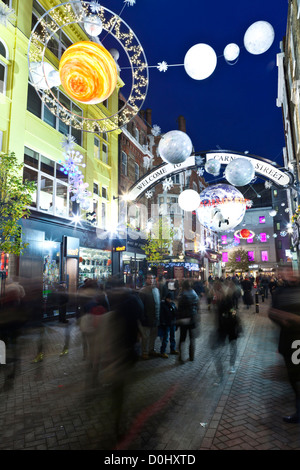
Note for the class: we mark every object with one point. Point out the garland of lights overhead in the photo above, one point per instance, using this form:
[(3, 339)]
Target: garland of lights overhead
[(78, 12)]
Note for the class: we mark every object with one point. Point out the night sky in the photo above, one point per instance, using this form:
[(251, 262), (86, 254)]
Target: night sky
[(233, 109)]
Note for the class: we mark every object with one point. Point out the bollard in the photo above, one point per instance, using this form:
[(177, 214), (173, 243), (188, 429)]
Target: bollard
[(257, 304)]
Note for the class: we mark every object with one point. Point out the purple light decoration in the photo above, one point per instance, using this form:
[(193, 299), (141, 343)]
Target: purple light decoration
[(263, 237), (264, 256), (250, 240), (262, 219), (224, 239), (224, 257), (251, 255)]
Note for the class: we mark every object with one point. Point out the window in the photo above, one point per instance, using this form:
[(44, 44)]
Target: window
[(277, 225), (97, 148), (104, 153), (279, 244), (263, 237), (52, 193), (136, 171), (251, 255), (275, 193), (176, 179), (3, 67), (262, 219), (250, 240), (104, 192), (224, 257), (224, 239), (264, 256), (237, 240), (96, 189), (39, 109), (124, 164)]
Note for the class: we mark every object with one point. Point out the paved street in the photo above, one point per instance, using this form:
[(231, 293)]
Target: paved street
[(167, 407)]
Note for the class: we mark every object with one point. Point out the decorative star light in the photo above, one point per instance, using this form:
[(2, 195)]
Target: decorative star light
[(283, 233), (5, 13), (73, 160), (129, 3), (68, 143), (268, 184), (95, 6), (274, 235), (156, 130), (200, 171), (249, 203), (287, 210), (162, 66), (149, 194), (168, 184)]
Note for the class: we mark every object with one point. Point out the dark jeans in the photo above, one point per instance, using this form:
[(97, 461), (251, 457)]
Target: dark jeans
[(168, 331), (184, 330)]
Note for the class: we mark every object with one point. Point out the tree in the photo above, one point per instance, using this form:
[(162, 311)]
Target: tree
[(158, 242), (238, 260), (15, 197)]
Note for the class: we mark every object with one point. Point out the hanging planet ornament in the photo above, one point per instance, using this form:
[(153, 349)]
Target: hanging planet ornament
[(222, 207), (200, 61), (213, 167), (239, 172), (93, 25), (189, 200), (231, 52), (175, 147), (259, 37), (245, 233), (88, 72)]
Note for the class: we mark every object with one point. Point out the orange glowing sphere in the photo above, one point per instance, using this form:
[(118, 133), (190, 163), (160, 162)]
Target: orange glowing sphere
[(88, 72), (245, 233)]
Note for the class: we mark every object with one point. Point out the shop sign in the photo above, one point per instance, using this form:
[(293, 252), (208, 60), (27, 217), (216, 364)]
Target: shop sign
[(119, 245)]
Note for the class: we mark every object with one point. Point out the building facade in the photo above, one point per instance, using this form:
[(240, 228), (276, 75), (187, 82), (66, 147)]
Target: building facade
[(288, 99), (61, 247)]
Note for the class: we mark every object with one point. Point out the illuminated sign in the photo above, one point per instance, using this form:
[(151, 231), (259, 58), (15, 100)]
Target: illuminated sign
[(71, 247), (263, 167), (120, 248)]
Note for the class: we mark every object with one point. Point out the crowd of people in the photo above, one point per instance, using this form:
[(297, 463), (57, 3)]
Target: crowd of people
[(120, 325)]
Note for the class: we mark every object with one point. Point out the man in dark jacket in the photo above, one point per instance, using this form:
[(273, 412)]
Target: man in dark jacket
[(168, 313), (150, 297), (188, 317)]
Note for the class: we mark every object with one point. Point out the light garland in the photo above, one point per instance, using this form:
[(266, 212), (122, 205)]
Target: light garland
[(295, 215), (63, 15)]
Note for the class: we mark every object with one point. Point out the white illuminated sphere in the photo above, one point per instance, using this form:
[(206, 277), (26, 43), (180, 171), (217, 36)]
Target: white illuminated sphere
[(272, 213), (175, 147), (200, 61), (213, 167), (93, 25), (240, 172), (231, 52), (42, 75), (189, 200), (259, 37), (221, 207)]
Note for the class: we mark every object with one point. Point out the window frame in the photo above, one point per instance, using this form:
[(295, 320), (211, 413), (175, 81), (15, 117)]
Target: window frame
[(4, 60), (55, 181)]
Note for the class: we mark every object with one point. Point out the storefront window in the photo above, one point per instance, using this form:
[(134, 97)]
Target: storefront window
[(46, 195), (61, 200), (94, 264)]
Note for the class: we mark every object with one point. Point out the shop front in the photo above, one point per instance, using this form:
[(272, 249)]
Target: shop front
[(94, 264)]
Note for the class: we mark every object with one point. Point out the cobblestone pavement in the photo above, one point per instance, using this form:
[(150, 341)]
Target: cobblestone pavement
[(168, 406)]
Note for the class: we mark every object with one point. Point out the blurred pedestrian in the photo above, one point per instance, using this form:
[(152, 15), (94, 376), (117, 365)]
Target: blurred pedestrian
[(227, 327), (247, 285), (168, 312), (188, 318), (285, 311), (149, 324)]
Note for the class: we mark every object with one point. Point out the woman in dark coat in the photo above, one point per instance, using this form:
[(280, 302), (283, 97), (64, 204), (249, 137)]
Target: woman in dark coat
[(188, 318), (247, 288)]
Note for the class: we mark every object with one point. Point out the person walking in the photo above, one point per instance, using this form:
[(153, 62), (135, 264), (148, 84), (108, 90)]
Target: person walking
[(168, 313), (247, 288), (285, 312), (228, 326), (188, 318), (150, 297)]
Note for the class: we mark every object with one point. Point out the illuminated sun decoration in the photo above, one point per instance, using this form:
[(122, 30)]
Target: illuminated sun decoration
[(245, 233), (88, 72)]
